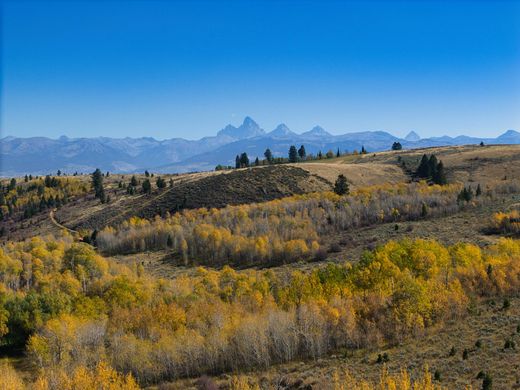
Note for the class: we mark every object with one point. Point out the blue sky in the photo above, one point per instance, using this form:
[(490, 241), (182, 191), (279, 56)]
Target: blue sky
[(186, 69)]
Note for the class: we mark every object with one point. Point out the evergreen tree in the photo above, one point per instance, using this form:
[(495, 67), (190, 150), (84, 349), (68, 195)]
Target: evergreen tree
[(244, 160), (341, 186), (439, 176), (133, 181), (397, 146), (257, 162), (161, 183), (237, 161), (12, 184), (302, 153), (293, 154), (338, 154), (147, 186), (97, 183), (481, 143), (320, 155), (268, 155), (479, 190), (146, 173), (423, 170), (363, 150), (432, 166), (26, 178)]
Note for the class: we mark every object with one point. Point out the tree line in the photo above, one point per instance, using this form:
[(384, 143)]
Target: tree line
[(294, 155)]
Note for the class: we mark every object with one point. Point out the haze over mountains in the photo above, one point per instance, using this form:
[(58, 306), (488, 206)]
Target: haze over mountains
[(40, 155)]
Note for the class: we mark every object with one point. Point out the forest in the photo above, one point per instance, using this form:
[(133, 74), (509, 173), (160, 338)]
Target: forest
[(280, 231), (77, 312)]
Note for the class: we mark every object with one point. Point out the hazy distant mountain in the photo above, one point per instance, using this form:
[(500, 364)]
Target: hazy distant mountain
[(282, 131), (40, 155), (249, 128), (316, 132), (412, 136)]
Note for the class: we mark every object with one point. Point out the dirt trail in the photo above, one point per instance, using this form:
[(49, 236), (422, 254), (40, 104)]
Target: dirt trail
[(59, 225)]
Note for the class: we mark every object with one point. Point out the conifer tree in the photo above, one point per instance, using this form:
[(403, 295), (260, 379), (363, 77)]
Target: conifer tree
[(302, 153), (244, 160), (268, 155), (97, 183), (439, 176), (423, 171), (147, 186), (397, 146), (341, 186), (293, 154)]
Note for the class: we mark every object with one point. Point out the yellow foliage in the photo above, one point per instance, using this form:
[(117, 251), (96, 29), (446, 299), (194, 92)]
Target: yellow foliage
[(9, 378)]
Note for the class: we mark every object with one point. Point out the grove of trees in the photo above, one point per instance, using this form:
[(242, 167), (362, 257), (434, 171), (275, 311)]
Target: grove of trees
[(83, 318), (279, 231)]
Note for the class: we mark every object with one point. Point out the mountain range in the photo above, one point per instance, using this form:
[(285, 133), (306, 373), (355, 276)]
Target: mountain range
[(41, 155)]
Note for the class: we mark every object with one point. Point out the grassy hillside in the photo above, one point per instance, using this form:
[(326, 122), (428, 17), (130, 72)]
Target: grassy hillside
[(323, 284)]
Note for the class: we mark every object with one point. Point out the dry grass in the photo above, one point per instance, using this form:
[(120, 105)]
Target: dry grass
[(358, 175)]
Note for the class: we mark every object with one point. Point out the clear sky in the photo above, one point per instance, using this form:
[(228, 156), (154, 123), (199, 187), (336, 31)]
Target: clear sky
[(187, 68)]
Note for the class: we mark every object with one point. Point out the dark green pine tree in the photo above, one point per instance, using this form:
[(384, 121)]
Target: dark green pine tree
[(423, 170), (147, 186), (257, 162), (302, 153), (161, 183), (293, 154), (244, 160), (397, 146), (268, 155), (439, 176), (338, 154), (363, 150), (432, 166), (237, 161), (97, 183), (341, 186)]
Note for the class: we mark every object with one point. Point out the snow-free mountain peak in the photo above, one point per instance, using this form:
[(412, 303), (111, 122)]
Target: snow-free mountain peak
[(510, 136), (316, 131), (412, 136), (248, 129), (281, 131)]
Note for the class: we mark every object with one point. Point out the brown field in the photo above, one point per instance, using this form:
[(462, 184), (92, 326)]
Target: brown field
[(359, 175)]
